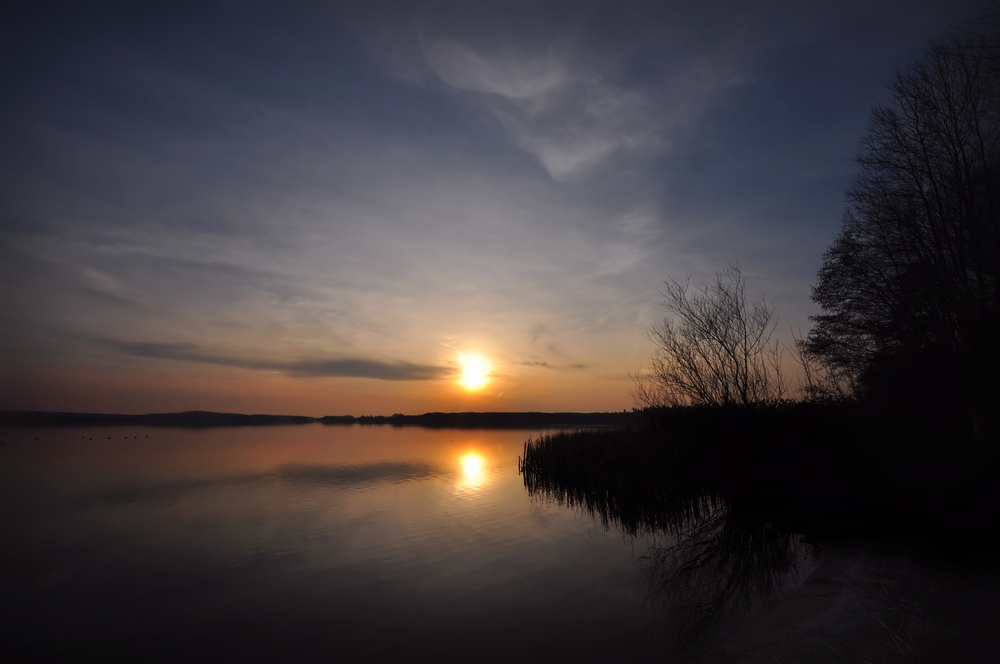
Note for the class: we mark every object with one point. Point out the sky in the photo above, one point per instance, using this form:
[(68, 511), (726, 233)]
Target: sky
[(332, 208)]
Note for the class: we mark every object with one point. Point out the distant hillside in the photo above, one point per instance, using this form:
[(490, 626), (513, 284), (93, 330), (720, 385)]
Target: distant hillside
[(200, 419)]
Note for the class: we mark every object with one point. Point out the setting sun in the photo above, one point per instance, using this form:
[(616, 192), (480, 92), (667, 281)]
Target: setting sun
[(475, 371)]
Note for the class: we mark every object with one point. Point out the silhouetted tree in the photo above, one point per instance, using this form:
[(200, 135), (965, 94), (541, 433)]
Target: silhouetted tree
[(716, 350), (909, 288), (721, 569), (821, 380)]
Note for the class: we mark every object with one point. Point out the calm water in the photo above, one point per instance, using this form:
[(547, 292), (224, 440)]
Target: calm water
[(333, 543)]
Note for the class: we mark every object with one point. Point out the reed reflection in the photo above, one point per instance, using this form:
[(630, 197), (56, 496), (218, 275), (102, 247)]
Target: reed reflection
[(722, 569), (716, 562)]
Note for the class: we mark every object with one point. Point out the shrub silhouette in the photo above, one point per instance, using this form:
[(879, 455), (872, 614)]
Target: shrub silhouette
[(715, 349)]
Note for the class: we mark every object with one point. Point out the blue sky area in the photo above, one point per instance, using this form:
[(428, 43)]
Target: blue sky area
[(326, 208)]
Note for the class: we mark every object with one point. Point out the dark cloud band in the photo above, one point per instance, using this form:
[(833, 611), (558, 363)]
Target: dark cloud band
[(310, 368)]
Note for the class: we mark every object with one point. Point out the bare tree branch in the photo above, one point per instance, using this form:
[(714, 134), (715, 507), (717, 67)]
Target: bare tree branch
[(716, 348)]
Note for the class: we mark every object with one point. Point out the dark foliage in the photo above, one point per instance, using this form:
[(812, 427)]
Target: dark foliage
[(733, 490), (722, 560), (791, 456), (615, 475), (910, 288)]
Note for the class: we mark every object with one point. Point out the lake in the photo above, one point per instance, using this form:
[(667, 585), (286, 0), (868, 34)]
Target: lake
[(310, 542)]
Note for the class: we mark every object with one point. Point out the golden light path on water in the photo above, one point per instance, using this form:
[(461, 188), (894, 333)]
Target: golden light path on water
[(473, 470), (330, 534)]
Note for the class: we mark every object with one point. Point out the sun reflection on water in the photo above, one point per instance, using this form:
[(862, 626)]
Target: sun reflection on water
[(473, 470)]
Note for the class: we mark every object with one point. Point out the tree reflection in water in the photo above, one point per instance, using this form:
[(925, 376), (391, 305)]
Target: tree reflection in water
[(722, 569), (719, 564)]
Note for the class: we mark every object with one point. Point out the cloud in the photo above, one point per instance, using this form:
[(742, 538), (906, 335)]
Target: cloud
[(163, 351), (583, 97), (367, 369), (537, 332), (587, 124), (546, 365), (568, 120), (537, 364), (525, 79), (311, 368)]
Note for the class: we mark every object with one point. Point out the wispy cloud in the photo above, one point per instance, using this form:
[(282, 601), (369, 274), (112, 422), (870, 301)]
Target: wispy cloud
[(314, 368), (525, 79), (575, 110), (535, 363), (366, 369), (547, 365), (570, 120)]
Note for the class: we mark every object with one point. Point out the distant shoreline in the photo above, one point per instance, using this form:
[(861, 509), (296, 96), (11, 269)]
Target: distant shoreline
[(199, 419)]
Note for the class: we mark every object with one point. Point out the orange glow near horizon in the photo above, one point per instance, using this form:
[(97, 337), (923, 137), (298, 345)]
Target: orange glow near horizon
[(141, 387), (475, 371)]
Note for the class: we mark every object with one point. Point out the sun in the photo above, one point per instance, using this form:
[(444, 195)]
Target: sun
[(475, 371)]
